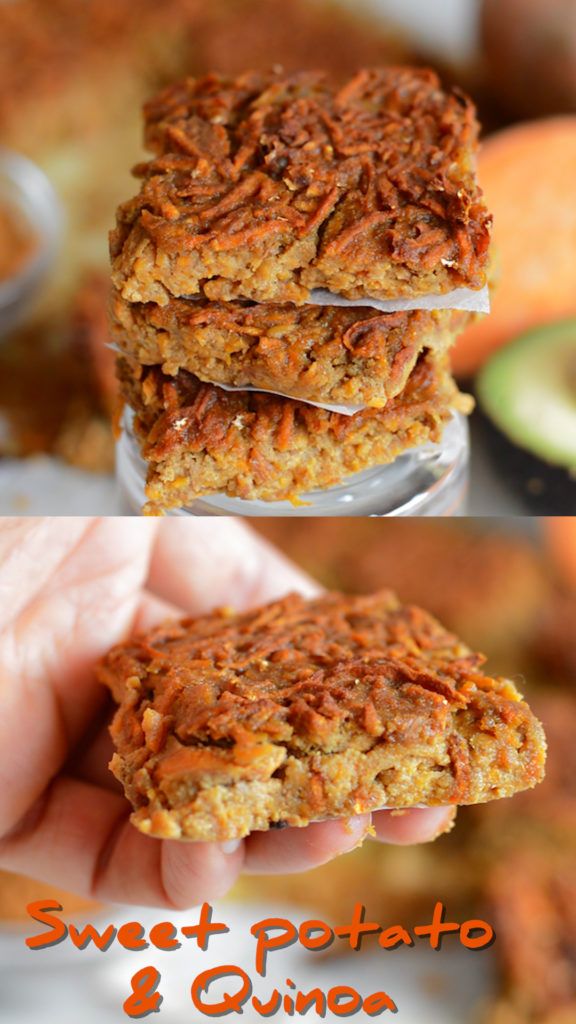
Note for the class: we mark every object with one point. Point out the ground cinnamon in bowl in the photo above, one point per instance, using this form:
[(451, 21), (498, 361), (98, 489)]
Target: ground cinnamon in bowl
[(18, 240)]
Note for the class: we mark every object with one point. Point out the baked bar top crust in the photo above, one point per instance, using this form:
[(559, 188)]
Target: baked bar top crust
[(304, 710), (265, 186), (336, 354), (199, 439)]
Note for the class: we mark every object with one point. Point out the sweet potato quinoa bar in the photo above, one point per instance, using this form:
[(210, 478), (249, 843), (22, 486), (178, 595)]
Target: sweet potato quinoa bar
[(305, 710), (334, 354), (266, 186), (199, 439)]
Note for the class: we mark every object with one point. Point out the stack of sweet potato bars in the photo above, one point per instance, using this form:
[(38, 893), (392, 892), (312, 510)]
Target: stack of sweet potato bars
[(270, 199)]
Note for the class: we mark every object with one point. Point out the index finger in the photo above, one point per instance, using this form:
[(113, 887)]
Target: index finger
[(201, 564)]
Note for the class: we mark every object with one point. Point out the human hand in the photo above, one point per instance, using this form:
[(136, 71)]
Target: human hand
[(69, 589)]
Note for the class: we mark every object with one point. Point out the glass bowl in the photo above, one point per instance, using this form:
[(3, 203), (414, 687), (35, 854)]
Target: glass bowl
[(25, 189)]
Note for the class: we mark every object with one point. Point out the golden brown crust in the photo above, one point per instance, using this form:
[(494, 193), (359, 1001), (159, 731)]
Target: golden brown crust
[(266, 186), (199, 439), (544, 821), (303, 710), (350, 355)]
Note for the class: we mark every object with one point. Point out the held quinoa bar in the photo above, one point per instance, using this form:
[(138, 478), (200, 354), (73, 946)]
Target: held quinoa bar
[(306, 710), (199, 439), (265, 186), (336, 354)]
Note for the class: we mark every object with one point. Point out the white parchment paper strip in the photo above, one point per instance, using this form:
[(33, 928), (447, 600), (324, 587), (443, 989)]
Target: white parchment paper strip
[(346, 410), (469, 299), (474, 301)]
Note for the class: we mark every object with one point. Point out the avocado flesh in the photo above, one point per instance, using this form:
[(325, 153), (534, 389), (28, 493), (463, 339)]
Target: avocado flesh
[(528, 390)]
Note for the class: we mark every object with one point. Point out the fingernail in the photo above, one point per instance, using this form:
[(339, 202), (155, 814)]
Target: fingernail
[(230, 846), (447, 823), (351, 827)]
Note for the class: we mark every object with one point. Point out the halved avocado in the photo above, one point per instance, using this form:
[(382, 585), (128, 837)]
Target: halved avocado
[(528, 390)]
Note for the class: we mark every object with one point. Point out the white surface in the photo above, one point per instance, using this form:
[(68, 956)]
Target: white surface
[(47, 486), (344, 410), (476, 300), (443, 28)]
